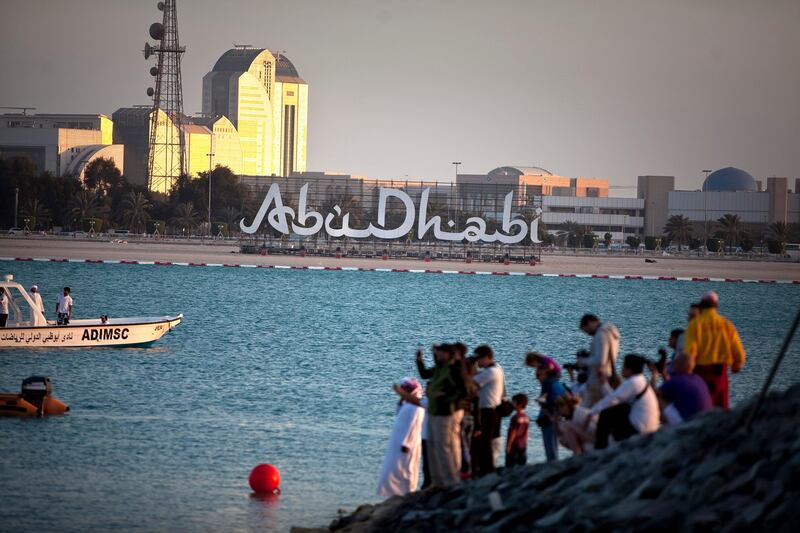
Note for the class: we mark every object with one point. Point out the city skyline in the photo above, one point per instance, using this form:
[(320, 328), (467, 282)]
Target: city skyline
[(583, 91)]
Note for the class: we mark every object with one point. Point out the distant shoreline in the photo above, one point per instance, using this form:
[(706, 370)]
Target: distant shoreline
[(228, 253)]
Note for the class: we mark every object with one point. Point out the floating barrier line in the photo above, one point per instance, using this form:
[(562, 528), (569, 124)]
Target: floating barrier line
[(405, 270)]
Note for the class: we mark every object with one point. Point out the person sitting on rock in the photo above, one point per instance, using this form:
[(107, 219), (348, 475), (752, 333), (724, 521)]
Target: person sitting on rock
[(684, 394), (577, 425), (631, 409)]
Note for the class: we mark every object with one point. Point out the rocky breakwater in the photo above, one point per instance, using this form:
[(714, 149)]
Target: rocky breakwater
[(708, 474)]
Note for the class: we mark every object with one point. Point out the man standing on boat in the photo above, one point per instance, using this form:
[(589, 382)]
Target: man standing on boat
[(37, 298), (64, 307), (3, 307)]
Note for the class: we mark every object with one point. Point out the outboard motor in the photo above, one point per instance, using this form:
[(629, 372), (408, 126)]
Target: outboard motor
[(34, 391)]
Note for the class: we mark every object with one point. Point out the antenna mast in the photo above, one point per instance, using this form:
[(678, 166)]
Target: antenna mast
[(167, 145)]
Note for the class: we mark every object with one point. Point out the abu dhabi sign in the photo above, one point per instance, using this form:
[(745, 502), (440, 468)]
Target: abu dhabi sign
[(307, 223)]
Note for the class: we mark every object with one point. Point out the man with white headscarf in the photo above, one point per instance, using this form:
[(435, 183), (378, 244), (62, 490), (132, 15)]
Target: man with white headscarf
[(400, 470), (37, 298)]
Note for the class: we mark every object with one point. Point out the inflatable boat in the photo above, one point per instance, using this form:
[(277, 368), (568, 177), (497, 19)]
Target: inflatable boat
[(35, 399)]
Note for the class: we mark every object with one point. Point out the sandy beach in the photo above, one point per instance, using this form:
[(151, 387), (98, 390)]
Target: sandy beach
[(550, 264)]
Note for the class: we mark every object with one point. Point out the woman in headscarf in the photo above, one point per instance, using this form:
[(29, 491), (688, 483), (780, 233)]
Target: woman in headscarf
[(548, 372), (400, 470)]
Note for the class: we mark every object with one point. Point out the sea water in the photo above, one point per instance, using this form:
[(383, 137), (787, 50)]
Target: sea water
[(294, 368)]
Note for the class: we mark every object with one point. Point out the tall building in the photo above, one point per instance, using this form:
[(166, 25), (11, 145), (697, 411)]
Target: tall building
[(266, 100), (654, 190)]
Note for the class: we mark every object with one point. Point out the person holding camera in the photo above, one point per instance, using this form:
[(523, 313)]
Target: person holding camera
[(548, 374), (632, 408), (445, 389), (603, 352)]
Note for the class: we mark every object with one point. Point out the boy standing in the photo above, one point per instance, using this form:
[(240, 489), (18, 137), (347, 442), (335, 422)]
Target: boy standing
[(517, 441), (64, 307)]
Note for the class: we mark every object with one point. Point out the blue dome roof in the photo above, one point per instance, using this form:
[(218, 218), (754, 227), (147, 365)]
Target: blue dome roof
[(730, 179)]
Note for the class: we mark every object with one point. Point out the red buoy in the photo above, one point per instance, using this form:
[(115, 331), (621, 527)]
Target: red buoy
[(265, 478)]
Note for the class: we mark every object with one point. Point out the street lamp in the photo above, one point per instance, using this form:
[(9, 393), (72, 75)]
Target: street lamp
[(705, 210), (450, 200), (210, 155), (16, 205)]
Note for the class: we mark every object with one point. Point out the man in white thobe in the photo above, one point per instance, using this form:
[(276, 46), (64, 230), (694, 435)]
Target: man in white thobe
[(400, 470), (37, 298)]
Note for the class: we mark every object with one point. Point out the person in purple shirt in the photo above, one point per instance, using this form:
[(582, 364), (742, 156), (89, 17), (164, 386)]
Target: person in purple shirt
[(684, 394)]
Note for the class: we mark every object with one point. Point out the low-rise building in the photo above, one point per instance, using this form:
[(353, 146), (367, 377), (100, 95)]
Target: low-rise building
[(59, 143)]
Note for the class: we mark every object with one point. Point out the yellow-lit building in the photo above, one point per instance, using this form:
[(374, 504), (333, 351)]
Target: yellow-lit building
[(266, 101), (198, 148), (225, 143)]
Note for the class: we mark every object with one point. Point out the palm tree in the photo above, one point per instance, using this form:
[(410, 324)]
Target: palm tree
[(36, 213), (679, 228), (134, 211), (185, 217), (231, 216), (731, 228), (573, 231), (84, 204), (779, 231)]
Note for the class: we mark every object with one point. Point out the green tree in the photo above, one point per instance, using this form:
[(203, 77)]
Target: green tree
[(633, 241), (779, 231), (730, 228), (679, 229), (607, 238), (102, 175), (185, 217), (37, 214), (574, 233), (85, 204), (135, 211), (231, 216)]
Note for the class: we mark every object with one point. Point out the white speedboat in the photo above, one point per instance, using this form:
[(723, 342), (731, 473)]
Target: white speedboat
[(28, 328)]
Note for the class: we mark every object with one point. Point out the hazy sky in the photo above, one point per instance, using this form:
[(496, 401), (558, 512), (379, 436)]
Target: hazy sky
[(612, 89)]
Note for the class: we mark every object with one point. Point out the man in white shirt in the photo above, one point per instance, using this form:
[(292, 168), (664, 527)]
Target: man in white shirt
[(602, 356), (64, 307), (631, 409), (37, 298), (490, 379), (3, 307)]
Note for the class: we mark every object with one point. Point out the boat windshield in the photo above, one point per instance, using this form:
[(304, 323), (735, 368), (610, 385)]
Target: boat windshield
[(19, 312)]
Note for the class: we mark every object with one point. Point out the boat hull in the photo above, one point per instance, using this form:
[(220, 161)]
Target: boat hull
[(115, 333)]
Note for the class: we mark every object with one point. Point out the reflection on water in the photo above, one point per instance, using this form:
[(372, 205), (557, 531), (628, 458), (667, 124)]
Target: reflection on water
[(292, 368)]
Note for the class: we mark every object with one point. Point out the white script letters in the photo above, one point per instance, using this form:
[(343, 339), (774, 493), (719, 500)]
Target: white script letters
[(306, 223)]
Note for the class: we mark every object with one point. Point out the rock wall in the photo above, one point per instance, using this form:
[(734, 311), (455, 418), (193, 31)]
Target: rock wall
[(709, 474)]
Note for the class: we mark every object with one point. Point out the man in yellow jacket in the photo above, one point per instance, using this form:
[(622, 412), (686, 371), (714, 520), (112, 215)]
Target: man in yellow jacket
[(714, 344)]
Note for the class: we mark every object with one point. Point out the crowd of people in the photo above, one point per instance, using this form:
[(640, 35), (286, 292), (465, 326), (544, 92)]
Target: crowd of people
[(451, 426)]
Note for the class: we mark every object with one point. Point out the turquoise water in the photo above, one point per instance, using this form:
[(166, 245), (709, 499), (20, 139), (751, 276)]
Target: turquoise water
[(292, 368)]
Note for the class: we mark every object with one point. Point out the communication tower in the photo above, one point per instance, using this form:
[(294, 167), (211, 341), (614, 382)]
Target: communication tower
[(167, 146)]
